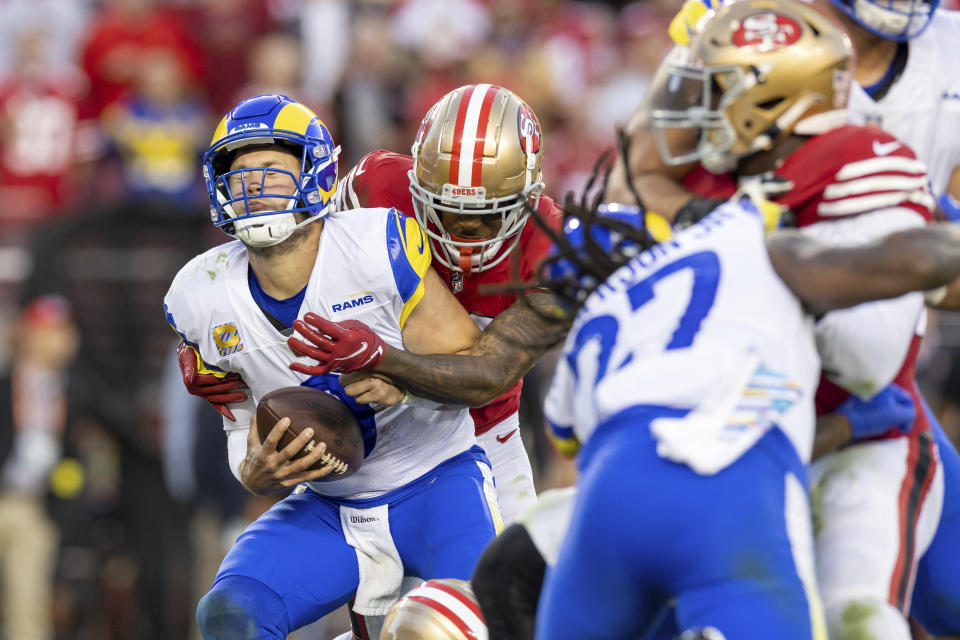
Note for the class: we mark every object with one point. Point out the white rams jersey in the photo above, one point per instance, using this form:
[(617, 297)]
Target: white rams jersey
[(922, 108), (699, 322), (369, 266), (863, 348)]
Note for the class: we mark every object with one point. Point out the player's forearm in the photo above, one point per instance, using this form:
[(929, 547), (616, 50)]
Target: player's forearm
[(446, 378), (662, 194), (833, 431), (937, 254), (948, 298), (236, 450), (828, 278), (508, 348), (658, 185)]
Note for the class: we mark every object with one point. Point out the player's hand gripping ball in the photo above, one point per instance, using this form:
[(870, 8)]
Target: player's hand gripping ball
[(331, 420)]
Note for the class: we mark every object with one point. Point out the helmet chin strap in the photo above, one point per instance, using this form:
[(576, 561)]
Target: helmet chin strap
[(469, 257), (283, 231), (268, 230), (466, 258)]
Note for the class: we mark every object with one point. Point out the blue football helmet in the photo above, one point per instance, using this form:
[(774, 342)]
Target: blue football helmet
[(267, 120), (605, 238), (899, 20)]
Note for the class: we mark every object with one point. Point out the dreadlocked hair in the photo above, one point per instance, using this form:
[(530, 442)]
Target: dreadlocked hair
[(591, 263)]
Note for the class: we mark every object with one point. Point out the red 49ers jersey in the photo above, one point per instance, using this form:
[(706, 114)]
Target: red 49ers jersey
[(381, 179), (845, 172)]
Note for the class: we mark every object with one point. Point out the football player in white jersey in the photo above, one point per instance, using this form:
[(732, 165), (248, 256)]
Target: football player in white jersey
[(690, 369), (821, 189), (824, 279), (908, 83), (423, 502)]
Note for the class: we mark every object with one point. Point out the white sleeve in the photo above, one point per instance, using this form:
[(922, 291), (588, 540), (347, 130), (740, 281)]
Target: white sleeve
[(236, 451), (237, 434), (863, 348), (548, 521), (558, 405)]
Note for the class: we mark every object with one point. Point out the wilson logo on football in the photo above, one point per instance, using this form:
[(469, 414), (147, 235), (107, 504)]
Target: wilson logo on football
[(529, 129), (766, 32), (227, 339)]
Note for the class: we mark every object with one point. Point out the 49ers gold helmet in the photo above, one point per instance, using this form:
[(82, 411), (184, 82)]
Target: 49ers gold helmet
[(436, 610), (757, 71), (478, 152)]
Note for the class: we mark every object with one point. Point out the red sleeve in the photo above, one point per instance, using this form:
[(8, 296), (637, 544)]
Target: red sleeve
[(844, 172), (380, 179), (854, 170), (709, 185), (534, 246), (534, 242)]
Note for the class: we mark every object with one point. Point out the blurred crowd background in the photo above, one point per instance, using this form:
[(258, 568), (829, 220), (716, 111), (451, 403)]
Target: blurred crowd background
[(114, 486)]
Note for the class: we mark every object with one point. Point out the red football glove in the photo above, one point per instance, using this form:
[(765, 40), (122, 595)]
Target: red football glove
[(338, 347), (214, 390)]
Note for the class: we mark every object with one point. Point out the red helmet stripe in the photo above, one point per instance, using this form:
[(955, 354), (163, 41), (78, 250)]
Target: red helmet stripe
[(447, 613), (467, 602), (482, 135), (458, 133), (465, 141)]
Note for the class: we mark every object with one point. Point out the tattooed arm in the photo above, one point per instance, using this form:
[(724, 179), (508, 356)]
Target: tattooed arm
[(509, 346)]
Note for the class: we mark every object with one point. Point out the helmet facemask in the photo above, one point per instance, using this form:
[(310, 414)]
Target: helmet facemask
[(264, 205), (472, 255), (695, 98), (261, 217), (899, 20)]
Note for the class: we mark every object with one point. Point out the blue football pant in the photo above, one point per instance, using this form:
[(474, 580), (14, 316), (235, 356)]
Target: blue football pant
[(296, 566), (728, 548), (936, 593)]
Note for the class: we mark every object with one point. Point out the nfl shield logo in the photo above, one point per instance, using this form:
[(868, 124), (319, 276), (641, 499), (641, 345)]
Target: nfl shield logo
[(456, 282)]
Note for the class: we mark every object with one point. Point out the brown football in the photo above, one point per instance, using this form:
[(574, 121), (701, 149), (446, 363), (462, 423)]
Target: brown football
[(331, 420)]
